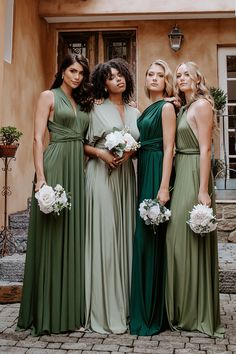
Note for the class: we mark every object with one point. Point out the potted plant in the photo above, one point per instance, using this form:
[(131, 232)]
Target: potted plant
[(219, 97), (9, 137)]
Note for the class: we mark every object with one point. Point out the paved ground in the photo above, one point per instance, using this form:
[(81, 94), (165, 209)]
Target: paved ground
[(90, 343)]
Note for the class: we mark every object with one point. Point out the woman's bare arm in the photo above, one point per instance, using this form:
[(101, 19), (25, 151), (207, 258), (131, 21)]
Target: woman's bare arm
[(44, 107), (169, 130)]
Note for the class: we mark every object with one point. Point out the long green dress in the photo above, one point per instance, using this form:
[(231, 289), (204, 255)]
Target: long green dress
[(147, 316), (53, 291), (110, 222), (192, 295)]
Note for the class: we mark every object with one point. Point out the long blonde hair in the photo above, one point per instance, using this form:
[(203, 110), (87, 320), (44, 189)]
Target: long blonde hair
[(198, 86), (168, 91)]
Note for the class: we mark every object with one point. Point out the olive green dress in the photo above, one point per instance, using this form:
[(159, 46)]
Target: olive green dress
[(192, 294), (147, 308), (53, 291), (110, 222)]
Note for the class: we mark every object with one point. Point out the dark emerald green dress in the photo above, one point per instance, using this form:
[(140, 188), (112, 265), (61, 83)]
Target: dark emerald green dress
[(148, 315), (53, 291)]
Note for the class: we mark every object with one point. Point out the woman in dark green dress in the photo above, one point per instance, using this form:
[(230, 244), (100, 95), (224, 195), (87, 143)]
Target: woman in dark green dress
[(157, 134), (192, 293), (53, 291)]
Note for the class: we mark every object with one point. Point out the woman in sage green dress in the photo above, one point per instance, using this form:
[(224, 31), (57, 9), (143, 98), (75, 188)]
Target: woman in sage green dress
[(157, 134), (110, 203), (53, 290), (192, 294)]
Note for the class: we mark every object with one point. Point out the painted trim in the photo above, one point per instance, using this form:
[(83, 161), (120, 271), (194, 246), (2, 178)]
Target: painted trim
[(112, 18)]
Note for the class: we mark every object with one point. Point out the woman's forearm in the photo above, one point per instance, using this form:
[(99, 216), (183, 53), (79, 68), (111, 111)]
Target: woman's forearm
[(167, 168), (38, 159), (205, 168)]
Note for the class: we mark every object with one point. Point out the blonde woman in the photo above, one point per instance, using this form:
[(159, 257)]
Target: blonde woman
[(192, 296), (157, 135)]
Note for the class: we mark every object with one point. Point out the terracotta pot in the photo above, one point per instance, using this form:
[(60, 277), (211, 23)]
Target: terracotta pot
[(8, 150)]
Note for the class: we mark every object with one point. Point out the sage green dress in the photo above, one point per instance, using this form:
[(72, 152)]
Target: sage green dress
[(147, 313), (53, 291), (192, 294), (110, 222)]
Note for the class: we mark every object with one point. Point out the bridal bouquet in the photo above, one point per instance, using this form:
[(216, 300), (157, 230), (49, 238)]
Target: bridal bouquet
[(53, 200), (120, 141), (201, 219), (153, 213)]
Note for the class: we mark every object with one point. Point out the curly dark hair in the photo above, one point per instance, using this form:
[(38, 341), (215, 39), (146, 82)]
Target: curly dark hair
[(82, 94), (102, 72)]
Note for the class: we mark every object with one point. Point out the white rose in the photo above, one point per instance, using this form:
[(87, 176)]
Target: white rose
[(154, 212), (130, 142), (46, 199), (62, 199), (113, 140), (143, 211), (58, 188)]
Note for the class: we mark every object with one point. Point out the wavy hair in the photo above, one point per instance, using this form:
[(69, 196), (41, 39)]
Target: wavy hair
[(102, 72), (168, 91), (82, 94), (198, 86)]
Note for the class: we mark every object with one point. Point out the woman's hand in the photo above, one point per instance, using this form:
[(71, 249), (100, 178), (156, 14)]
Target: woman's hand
[(173, 100), (124, 158), (108, 158), (163, 195), (39, 184), (204, 198)]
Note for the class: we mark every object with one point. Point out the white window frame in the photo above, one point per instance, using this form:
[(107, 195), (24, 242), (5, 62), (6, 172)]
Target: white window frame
[(222, 72)]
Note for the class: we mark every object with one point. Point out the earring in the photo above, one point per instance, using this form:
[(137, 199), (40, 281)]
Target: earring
[(62, 76), (105, 89)]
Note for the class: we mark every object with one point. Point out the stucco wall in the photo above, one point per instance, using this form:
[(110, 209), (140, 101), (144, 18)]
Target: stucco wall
[(2, 27), (95, 7), (152, 43), (23, 80), (34, 65)]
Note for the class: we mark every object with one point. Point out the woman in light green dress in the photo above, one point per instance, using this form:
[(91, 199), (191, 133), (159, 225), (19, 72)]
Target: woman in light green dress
[(192, 294), (53, 290), (110, 203)]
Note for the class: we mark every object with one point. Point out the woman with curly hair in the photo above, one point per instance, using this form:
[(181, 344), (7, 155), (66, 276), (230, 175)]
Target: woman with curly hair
[(192, 294), (110, 202), (157, 127), (53, 291)]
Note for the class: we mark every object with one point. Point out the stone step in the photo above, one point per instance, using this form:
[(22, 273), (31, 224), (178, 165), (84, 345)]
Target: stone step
[(19, 220), (12, 272), (12, 268), (227, 267)]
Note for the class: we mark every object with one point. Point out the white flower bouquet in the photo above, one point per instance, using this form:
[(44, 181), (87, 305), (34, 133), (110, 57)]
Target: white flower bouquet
[(202, 219), (153, 213), (53, 200), (120, 141)]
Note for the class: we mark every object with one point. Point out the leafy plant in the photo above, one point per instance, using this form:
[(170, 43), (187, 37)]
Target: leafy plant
[(9, 135), (219, 97)]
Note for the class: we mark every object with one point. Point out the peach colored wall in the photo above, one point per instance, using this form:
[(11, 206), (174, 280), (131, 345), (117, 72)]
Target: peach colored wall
[(153, 43), (34, 65), (23, 80), (2, 28), (95, 7)]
